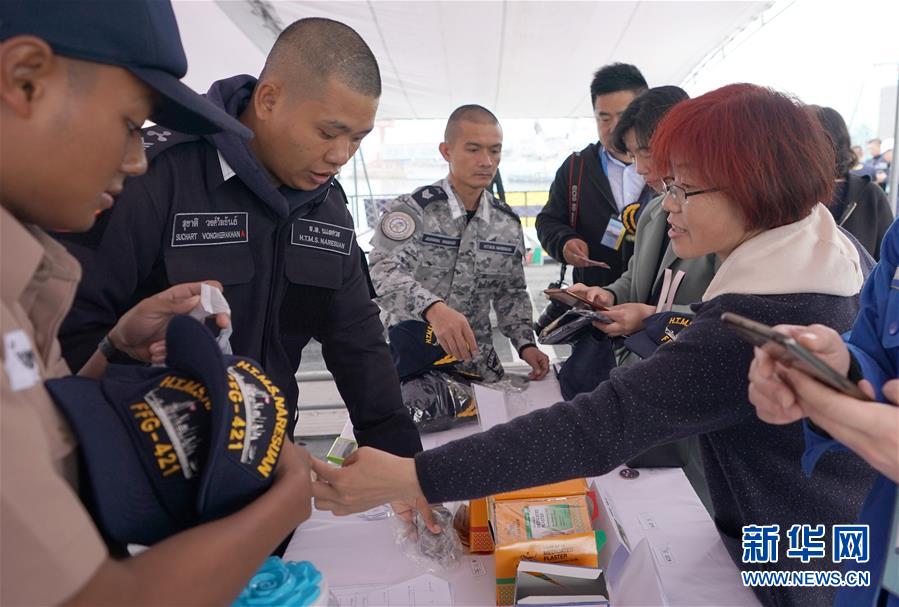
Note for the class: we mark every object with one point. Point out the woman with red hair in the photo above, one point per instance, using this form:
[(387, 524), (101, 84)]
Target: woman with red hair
[(749, 168)]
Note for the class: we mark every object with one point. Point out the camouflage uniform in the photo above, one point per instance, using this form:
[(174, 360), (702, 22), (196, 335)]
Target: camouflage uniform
[(426, 251)]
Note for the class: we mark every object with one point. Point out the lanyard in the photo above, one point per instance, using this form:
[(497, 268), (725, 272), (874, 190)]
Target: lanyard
[(669, 288)]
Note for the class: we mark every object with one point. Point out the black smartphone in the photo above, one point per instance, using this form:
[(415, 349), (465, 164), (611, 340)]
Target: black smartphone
[(568, 298), (787, 351)]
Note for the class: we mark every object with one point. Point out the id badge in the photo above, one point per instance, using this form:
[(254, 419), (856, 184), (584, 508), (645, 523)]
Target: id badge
[(614, 234)]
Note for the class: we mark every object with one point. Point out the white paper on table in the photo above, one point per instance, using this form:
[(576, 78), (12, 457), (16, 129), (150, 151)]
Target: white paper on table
[(638, 582), (690, 563), (421, 591), (491, 407), (616, 549), (497, 406)]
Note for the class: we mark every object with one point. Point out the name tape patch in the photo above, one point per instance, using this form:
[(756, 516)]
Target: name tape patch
[(441, 240), (497, 247), (323, 236), (206, 229)]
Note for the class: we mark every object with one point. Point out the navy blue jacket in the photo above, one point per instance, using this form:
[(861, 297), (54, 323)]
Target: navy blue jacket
[(288, 260)]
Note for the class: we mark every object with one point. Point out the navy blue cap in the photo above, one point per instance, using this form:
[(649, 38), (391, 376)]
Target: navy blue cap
[(415, 349), (138, 35), (166, 448), (658, 328)]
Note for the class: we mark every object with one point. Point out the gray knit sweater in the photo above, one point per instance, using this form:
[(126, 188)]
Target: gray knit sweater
[(696, 385)]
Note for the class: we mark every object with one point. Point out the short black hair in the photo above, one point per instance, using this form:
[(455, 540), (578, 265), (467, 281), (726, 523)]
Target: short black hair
[(838, 135), (470, 113), (616, 77), (309, 51), (644, 113)]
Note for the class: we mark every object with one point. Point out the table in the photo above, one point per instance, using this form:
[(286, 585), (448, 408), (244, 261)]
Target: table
[(662, 546)]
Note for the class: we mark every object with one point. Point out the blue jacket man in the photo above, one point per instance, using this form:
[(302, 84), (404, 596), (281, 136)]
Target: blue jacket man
[(267, 220), (874, 346)]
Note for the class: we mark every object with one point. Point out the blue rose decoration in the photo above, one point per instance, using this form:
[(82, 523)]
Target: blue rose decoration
[(278, 583)]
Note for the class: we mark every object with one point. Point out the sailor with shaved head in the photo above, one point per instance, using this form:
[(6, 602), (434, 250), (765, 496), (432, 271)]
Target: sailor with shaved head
[(265, 218), (444, 253)]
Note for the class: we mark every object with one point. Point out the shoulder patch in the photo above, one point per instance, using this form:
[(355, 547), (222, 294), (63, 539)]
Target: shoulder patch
[(397, 225), (428, 194), (158, 139), (502, 206)]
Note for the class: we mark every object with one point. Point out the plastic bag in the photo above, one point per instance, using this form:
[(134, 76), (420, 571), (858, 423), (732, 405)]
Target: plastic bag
[(438, 401), (434, 551), (571, 326), (511, 382)]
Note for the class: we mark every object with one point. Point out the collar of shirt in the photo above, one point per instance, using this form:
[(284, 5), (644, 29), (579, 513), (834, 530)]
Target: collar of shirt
[(227, 171), (26, 251), (633, 184), (457, 209), (614, 169), (626, 184)]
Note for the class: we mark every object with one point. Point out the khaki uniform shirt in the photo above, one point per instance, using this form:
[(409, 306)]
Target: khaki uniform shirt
[(49, 547), (425, 250)]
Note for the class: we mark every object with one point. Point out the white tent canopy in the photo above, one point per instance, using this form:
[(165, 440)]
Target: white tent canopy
[(521, 59)]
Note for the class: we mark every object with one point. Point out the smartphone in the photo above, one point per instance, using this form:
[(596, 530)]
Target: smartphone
[(788, 351), (568, 298)]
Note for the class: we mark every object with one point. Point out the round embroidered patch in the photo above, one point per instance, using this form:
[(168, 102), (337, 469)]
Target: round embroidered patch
[(397, 225), (629, 217)]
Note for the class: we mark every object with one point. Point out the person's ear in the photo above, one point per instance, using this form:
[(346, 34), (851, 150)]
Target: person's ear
[(25, 64), (265, 98), (444, 151)]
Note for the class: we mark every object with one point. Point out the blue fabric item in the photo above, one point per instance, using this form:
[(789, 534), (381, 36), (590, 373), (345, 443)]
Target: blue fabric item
[(658, 328), (140, 36), (415, 349), (285, 584), (874, 343), (166, 448), (592, 359)]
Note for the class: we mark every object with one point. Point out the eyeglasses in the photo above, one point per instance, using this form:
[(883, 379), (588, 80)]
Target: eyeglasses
[(680, 195)]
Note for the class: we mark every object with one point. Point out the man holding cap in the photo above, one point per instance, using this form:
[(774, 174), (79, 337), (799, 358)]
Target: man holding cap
[(447, 251), (265, 218), (71, 105)]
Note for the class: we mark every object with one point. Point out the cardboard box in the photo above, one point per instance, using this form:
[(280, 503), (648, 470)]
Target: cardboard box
[(479, 538), (551, 529), (554, 584), (513, 521), (580, 549), (577, 486)]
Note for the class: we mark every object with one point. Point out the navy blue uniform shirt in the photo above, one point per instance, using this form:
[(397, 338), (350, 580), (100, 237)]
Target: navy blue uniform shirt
[(288, 260)]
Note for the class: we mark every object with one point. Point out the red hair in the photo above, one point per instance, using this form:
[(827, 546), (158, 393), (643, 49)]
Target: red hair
[(758, 146)]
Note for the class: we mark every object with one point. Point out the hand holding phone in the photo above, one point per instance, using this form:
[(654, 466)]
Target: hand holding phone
[(592, 263), (566, 297), (786, 350)]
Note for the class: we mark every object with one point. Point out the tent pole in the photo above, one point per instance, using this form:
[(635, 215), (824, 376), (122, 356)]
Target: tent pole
[(365, 173), (893, 183), (356, 216)]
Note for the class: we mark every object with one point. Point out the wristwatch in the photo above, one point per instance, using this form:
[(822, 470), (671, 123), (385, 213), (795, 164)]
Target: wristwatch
[(107, 349)]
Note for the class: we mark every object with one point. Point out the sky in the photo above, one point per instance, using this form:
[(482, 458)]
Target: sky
[(838, 54), (833, 53)]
